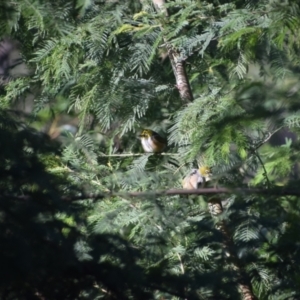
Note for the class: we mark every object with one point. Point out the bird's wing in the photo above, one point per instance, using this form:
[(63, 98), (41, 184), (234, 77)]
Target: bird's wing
[(160, 139)]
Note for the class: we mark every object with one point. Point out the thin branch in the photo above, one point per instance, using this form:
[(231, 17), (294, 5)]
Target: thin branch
[(265, 171), (214, 191), (136, 154), (266, 139), (279, 192)]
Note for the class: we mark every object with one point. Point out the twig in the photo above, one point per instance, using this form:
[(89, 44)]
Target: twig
[(265, 171), (136, 154), (266, 139), (181, 264)]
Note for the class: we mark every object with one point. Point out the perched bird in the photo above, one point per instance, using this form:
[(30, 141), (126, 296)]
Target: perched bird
[(195, 178), (215, 206), (152, 141), (198, 177)]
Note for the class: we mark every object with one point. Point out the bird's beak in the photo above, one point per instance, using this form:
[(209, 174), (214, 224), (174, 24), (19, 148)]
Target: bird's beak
[(207, 178)]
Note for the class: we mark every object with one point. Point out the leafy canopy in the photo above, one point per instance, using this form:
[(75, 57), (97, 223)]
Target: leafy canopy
[(103, 68)]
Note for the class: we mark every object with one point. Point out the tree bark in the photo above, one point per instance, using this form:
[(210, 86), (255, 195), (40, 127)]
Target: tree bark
[(177, 61), (243, 280)]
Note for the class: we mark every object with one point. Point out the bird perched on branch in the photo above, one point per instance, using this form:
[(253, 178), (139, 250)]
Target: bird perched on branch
[(152, 141), (196, 177), (199, 177)]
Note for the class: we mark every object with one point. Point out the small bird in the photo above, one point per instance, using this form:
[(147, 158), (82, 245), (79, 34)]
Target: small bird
[(152, 141), (193, 181), (215, 206), (196, 177)]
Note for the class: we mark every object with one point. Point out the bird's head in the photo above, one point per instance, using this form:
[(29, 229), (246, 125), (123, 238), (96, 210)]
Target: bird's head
[(205, 172), (146, 133)]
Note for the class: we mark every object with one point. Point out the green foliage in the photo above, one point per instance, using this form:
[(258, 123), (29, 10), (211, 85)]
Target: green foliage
[(102, 69)]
